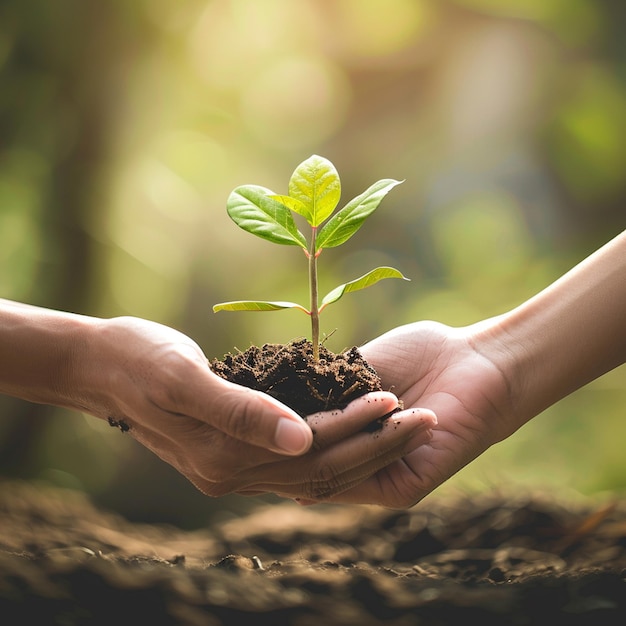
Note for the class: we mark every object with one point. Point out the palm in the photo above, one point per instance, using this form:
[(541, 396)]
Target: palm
[(433, 366)]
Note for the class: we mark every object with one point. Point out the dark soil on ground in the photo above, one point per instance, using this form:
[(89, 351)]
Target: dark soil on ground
[(288, 373), (489, 559)]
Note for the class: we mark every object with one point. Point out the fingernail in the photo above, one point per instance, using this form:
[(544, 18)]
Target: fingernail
[(292, 437)]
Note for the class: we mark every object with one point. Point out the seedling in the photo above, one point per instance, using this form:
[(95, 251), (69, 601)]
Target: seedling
[(314, 193)]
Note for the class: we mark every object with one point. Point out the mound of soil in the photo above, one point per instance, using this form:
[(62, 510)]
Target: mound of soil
[(492, 559), (288, 373)]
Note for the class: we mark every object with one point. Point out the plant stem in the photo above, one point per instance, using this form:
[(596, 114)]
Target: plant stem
[(314, 311)]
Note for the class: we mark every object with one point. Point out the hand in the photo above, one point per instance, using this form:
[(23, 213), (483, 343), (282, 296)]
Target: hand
[(486, 380), (435, 367), (344, 451), (155, 384)]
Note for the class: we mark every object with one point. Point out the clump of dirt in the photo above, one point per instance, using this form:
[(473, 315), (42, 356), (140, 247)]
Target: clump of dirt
[(289, 373)]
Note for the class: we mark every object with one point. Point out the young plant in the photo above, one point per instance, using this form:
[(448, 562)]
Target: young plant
[(314, 193)]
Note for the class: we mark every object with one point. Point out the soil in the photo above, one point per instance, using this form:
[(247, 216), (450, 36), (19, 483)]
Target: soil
[(488, 558), (288, 373)]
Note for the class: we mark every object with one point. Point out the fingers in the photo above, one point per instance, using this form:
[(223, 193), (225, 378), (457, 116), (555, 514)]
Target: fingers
[(218, 464), (248, 415), (184, 384), (331, 426), (394, 486), (398, 485), (322, 473), (208, 458)]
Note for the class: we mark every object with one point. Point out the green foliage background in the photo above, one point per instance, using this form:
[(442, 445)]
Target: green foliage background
[(125, 125)]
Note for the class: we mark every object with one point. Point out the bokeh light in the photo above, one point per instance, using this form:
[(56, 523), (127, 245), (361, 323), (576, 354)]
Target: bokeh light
[(124, 127)]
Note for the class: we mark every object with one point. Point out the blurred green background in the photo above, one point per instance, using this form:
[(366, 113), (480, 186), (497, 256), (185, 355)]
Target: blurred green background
[(125, 125)]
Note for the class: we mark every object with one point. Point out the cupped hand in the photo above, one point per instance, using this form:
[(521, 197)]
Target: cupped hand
[(349, 446), (155, 384), (435, 367)]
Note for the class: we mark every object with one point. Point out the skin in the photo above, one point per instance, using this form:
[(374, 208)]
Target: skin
[(486, 380), (154, 383)]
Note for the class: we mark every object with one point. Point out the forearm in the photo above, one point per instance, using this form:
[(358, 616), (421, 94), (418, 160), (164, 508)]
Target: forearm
[(39, 353), (566, 336)]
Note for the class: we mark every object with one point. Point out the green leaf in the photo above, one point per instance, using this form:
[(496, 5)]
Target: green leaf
[(254, 305), (349, 219), (315, 184), (254, 210), (367, 280), (291, 203)]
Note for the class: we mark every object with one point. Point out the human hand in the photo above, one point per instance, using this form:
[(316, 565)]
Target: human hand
[(486, 380), (433, 366), (155, 384)]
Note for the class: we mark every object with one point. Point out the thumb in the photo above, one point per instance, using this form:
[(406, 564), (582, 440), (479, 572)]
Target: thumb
[(258, 419)]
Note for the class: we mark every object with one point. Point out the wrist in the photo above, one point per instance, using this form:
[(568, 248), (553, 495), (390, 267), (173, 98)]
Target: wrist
[(564, 337), (510, 357), (93, 371), (84, 366), (40, 350)]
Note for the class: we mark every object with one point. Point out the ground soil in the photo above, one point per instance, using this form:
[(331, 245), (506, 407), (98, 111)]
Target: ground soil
[(289, 373), (494, 558), (491, 559)]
